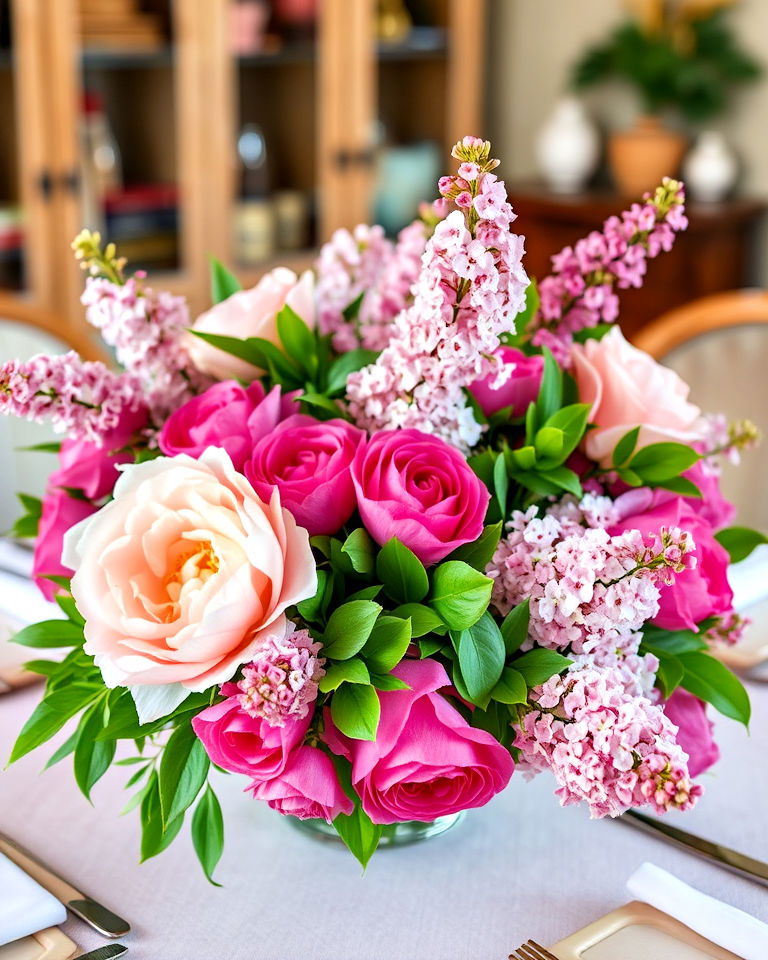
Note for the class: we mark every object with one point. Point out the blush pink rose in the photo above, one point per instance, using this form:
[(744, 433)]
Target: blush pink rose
[(627, 389), (236, 741), (60, 513), (689, 714), (309, 462), (307, 788), (426, 761), (250, 313), (699, 592), (227, 416), (416, 487), (518, 391), (181, 575)]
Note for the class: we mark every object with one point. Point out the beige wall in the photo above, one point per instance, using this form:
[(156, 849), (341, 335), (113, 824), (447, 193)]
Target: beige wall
[(535, 42)]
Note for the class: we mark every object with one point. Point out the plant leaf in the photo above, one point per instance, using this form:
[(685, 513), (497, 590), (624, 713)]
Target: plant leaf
[(223, 283), (355, 710), (401, 572), (460, 594), (208, 833), (538, 665), (740, 541), (710, 680), (183, 769), (514, 627), (349, 626)]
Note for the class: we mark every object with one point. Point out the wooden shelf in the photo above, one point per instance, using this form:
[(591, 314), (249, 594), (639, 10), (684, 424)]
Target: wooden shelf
[(106, 59)]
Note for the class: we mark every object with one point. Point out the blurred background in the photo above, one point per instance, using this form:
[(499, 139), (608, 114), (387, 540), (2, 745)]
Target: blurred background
[(252, 129)]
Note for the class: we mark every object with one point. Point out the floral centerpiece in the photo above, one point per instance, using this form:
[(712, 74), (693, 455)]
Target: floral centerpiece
[(374, 536)]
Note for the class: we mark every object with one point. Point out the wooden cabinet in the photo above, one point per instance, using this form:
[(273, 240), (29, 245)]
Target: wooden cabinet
[(169, 89), (714, 254)]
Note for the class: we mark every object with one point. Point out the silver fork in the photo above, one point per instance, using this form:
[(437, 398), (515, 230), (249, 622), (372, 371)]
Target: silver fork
[(530, 950)]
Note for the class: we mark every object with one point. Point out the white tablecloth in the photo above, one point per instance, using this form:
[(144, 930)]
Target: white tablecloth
[(522, 867)]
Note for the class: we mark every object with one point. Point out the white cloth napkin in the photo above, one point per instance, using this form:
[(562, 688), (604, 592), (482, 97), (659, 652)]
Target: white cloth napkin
[(719, 922), (25, 907), (749, 578)]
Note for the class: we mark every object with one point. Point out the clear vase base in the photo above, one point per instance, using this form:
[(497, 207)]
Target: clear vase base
[(393, 835)]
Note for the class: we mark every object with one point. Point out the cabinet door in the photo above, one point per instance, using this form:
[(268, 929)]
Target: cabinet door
[(26, 179)]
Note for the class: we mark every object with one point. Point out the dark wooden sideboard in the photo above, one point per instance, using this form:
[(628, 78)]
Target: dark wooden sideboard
[(717, 252)]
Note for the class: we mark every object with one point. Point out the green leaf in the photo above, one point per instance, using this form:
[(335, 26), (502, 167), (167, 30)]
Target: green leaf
[(514, 628), (208, 833), (46, 668), (572, 422), (355, 710), (708, 679), (352, 310), (32, 505), (549, 442), (367, 593), (69, 607), (349, 626), (322, 402), (565, 478), (740, 541), (387, 644), (481, 657), (530, 309), (511, 687), (311, 609), (359, 833), (156, 836), (183, 769), (49, 634), (550, 398), (537, 483), (387, 681), (223, 283), (348, 363), (625, 447), (297, 339), (423, 619), (523, 458), (662, 461), (359, 548), (401, 572), (460, 594), (479, 553), (501, 483), (538, 665), (51, 714), (347, 671), (92, 756), (681, 485), (660, 642), (669, 676), (65, 749)]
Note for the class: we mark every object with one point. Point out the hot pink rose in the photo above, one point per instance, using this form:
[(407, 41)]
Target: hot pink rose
[(60, 512), (250, 313), (626, 389), (181, 575), (700, 592), (426, 761), (227, 416), (694, 734), (309, 463), (518, 391), (236, 741), (416, 487), (307, 788)]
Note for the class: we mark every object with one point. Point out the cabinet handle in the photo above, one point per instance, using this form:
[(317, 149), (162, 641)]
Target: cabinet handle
[(363, 157), (45, 185), (71, 182)]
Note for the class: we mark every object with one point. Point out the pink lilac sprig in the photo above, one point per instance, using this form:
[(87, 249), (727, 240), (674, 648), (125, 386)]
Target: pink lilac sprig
[(470, 288), (604, 744), (589, 591), (81, 398), (581, 291), (364, 262), (727, 630), (281, 680), (726, 439)]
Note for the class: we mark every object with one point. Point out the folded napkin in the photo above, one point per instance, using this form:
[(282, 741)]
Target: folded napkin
[(25, 907), (749, 578), (719, 922)]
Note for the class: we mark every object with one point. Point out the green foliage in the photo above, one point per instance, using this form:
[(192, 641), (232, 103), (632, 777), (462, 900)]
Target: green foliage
[(460, 594), (359, 548), (223, 283), (28, 523), (349, 626), (514, 627), (360, 835), (401, 572), (713, 682), (208, 833), (538, 665), (479, 553), (423, 619), (656, 465), (355, 710), (740, 541), (386, 646), (50, 634), (345, 671), (480, 650), (183, 771), (511, 687)]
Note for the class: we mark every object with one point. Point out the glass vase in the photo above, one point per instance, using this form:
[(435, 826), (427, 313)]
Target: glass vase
[(393, 835)]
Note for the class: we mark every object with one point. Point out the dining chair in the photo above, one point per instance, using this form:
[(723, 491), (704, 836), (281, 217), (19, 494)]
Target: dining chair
[(719, 345)]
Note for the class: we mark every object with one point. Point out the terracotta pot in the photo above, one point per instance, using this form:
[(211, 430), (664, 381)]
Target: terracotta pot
[(639, 158)]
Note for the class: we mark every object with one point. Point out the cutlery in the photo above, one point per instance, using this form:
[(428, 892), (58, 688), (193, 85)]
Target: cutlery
[(102, 920), (715, 852), (108, 952), (530, 950)]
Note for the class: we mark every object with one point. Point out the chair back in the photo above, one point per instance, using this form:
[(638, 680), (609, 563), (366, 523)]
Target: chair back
[(719, 345)]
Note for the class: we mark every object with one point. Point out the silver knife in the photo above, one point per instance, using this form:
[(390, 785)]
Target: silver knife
[(108, 952), (102, 920), (715, 852)]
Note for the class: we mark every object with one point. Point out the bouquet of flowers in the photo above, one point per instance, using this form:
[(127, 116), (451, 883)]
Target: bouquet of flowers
[(373, 536)]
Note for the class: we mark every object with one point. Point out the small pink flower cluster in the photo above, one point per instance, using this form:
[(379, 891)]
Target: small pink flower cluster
[(728, 439), (727, 630), (469, 291), (365, 262), (146, 329), (588, 590), (281, 680), (581, 293), (605, 744), (81, 398)]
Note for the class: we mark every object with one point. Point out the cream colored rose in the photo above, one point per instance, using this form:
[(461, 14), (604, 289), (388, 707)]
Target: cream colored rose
[(181, 574), (250, 313), (627, 388)]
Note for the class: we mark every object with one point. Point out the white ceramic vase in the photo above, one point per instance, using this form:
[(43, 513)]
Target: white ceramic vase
[(567, 147), (710, 169)]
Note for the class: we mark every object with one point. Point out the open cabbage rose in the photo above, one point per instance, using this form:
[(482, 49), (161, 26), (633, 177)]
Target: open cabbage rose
[(181, 574)]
